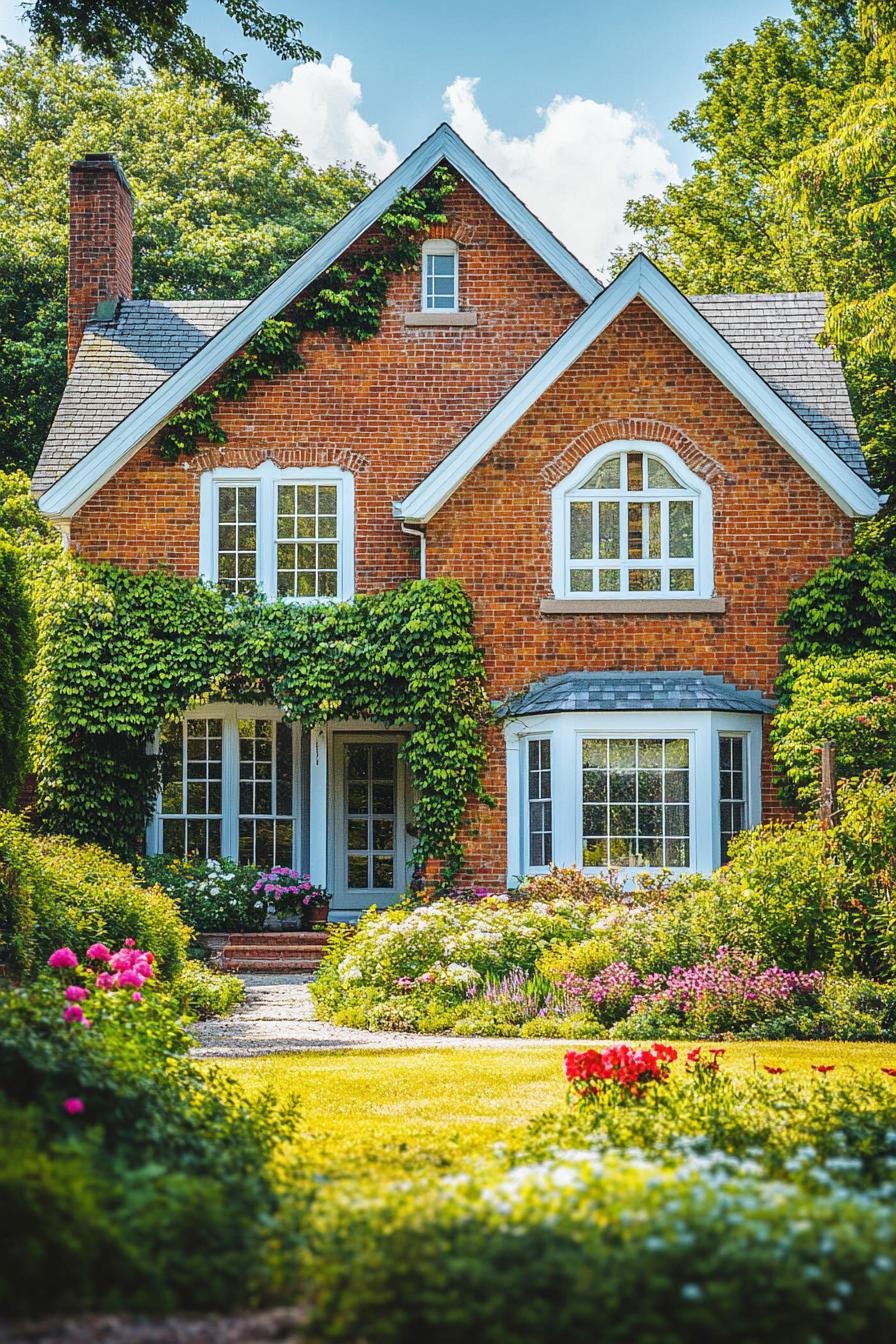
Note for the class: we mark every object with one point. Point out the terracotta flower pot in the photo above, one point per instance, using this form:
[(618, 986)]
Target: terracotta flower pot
[(316, 914)]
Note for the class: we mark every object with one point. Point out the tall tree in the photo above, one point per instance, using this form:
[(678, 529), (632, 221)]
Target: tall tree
[(794, 189), (221, 205), (154, 30)]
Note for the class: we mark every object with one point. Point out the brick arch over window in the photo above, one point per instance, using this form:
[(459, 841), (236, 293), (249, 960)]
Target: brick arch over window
[(297, 456), (632, 428)]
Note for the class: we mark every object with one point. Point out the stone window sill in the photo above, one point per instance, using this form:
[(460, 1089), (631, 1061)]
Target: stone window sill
[(443, 319), (627, 606)]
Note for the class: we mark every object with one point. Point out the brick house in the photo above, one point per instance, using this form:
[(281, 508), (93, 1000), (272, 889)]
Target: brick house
[(626, 481)]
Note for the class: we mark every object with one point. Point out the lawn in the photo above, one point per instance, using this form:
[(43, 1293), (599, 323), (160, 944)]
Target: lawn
[(392, 1111)]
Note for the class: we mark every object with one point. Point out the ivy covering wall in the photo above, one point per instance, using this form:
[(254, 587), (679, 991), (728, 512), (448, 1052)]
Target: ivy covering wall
[(120, 652)]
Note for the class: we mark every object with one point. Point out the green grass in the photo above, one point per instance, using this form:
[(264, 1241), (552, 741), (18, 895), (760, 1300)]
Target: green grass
[(390, 1111)]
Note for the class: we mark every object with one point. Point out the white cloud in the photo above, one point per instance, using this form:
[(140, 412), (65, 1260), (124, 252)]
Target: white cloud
[(319, 105), (577, 171)]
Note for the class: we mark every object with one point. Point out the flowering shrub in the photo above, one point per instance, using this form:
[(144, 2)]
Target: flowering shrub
[(213, 895), (287, 892), (434, 953), (145, 1179), (604, 1077)]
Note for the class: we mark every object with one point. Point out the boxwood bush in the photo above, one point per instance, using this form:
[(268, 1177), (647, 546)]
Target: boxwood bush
[(55, 892)]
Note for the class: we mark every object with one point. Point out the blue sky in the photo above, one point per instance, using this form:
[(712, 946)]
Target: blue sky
[(569, 101)]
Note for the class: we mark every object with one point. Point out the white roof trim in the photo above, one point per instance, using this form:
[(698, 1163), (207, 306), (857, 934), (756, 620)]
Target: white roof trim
[(85, 477), (642, 279)]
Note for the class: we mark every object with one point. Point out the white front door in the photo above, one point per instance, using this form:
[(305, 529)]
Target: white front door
[(370, 847)]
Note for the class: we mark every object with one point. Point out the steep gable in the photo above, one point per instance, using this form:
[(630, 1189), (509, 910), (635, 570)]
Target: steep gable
[(82, 477)]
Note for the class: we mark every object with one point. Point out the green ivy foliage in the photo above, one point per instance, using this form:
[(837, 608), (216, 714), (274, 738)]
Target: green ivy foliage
[(16, 656), (348, 299), (120, 652)]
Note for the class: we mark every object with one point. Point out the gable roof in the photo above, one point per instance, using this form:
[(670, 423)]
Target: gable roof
[(840, 478), (84, 477)]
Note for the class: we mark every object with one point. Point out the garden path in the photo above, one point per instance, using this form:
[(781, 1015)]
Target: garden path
[(277, 1015)]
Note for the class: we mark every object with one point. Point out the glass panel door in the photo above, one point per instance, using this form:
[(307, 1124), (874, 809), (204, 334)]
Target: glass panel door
[(369, 823)]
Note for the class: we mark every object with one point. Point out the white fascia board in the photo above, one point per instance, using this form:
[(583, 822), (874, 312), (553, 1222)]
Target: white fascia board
[(641, 279), (82, 480)]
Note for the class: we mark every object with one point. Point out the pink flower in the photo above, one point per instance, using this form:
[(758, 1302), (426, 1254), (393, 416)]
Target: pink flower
[(142, 967), (75, 992), (62, 958), (130, 942), (106, 981), (130, 980), (98, 952), (73, 1106), (149, 956), (136, 997), (74, 1013)]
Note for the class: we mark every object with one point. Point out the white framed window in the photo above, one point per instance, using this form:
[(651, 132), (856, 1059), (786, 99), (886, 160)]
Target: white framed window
[(439, 280), (638, 790), (229, 786), (733, 790), (539, 806), (287, 532), (632, 521)]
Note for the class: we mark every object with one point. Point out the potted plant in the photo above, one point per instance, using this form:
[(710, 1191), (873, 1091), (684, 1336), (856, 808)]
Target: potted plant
[(294, 901)]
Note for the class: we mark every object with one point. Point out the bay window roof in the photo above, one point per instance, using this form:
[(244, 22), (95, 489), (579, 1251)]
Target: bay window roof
[(574, 692)]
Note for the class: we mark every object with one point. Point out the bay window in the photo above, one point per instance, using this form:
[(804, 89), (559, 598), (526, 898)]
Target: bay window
[(635, 791)]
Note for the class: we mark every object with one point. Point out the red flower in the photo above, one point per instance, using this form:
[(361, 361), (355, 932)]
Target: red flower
[(719, 1050), (694, 1055), (823, 1068), (772, 1068), (891, 1072)]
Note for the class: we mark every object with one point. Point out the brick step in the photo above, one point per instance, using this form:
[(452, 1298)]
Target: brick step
[(277, 940), (273, 953), (285, 966)]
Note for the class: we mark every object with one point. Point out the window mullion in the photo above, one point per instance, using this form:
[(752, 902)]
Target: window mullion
[(265, 559), (230, 785)]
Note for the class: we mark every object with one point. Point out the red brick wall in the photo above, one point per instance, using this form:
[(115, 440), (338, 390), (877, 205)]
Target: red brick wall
[(101, 212), (391, 409), (773, 527)]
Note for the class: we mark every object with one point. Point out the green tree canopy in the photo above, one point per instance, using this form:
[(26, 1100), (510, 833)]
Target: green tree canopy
[(119, 30), (221, 205)]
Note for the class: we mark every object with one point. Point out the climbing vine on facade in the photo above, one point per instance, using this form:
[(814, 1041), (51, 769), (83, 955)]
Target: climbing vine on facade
[(348, 299), (120, 652)]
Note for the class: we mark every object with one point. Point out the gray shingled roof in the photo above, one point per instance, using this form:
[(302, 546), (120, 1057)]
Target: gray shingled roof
[(577, 691), (776, 333), (120, 363)]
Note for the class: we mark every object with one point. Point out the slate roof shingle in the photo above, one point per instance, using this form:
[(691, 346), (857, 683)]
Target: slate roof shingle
[(776, 334), (573, 692), (120, 363)]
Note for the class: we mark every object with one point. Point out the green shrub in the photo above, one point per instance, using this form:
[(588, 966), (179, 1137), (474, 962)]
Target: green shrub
[(16, 658), (608, 1247), (212, 895), (851, 701), (201, 992), (56, 892), (171, 1166)]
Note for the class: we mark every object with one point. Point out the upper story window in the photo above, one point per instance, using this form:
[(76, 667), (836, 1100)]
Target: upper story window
[(632, 521), (440, 276), (286, 532)]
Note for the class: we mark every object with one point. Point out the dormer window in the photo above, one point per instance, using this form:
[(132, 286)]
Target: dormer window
[(632, 522), (440, 276)]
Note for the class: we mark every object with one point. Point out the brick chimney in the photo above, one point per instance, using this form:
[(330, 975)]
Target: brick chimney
[(100, 237)]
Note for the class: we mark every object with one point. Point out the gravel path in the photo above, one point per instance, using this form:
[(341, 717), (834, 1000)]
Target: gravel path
[(278, 1016)]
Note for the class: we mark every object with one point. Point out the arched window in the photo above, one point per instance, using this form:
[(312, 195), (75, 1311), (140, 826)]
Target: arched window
[(632, 521)]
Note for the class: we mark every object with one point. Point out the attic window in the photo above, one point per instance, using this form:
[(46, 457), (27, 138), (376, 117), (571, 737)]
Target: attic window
[(440, 276)]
